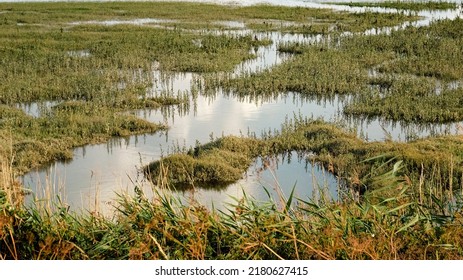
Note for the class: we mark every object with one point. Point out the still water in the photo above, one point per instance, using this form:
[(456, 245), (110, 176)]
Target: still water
[(97, 172)]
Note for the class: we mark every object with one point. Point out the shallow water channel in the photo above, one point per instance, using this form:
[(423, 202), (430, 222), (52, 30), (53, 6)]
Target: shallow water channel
[(91, 180)]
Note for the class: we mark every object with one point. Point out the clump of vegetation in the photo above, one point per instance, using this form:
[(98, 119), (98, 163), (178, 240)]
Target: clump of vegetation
[(340, 152), (430, 51), (413, 5), (318, 71), (410, 65), (410, 100), (217, 163)]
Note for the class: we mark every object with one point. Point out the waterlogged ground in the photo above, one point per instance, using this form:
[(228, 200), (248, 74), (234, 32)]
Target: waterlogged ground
[(97, 172), (97, 169)]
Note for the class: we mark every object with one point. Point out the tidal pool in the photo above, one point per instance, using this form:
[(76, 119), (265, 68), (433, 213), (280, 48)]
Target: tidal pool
[(101, 170)]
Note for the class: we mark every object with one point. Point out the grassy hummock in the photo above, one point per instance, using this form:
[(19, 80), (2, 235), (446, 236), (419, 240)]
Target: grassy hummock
[(436, 160), (214, 164)]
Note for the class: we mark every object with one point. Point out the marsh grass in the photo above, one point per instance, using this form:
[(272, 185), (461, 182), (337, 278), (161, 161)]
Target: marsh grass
[(195, 13), (321, 22), (430, 51), (317, 71), (413, 5), (408, 75), (405, 201), (391, 222), (394, 103), (434, 161), (411, 63)]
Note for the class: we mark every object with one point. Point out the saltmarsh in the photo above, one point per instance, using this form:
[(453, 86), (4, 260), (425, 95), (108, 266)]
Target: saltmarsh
[(434, 162), (418, 71), (95, 72), (410, 75), (91, 57)]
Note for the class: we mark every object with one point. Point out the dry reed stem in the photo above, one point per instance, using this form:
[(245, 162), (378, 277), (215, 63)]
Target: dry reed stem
[(295, 241), (271, 250), (159, 247), (318, 252), (421, 183), (13, 250)]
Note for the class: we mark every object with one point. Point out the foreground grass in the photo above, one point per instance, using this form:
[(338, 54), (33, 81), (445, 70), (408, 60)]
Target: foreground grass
[(392, 222)]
